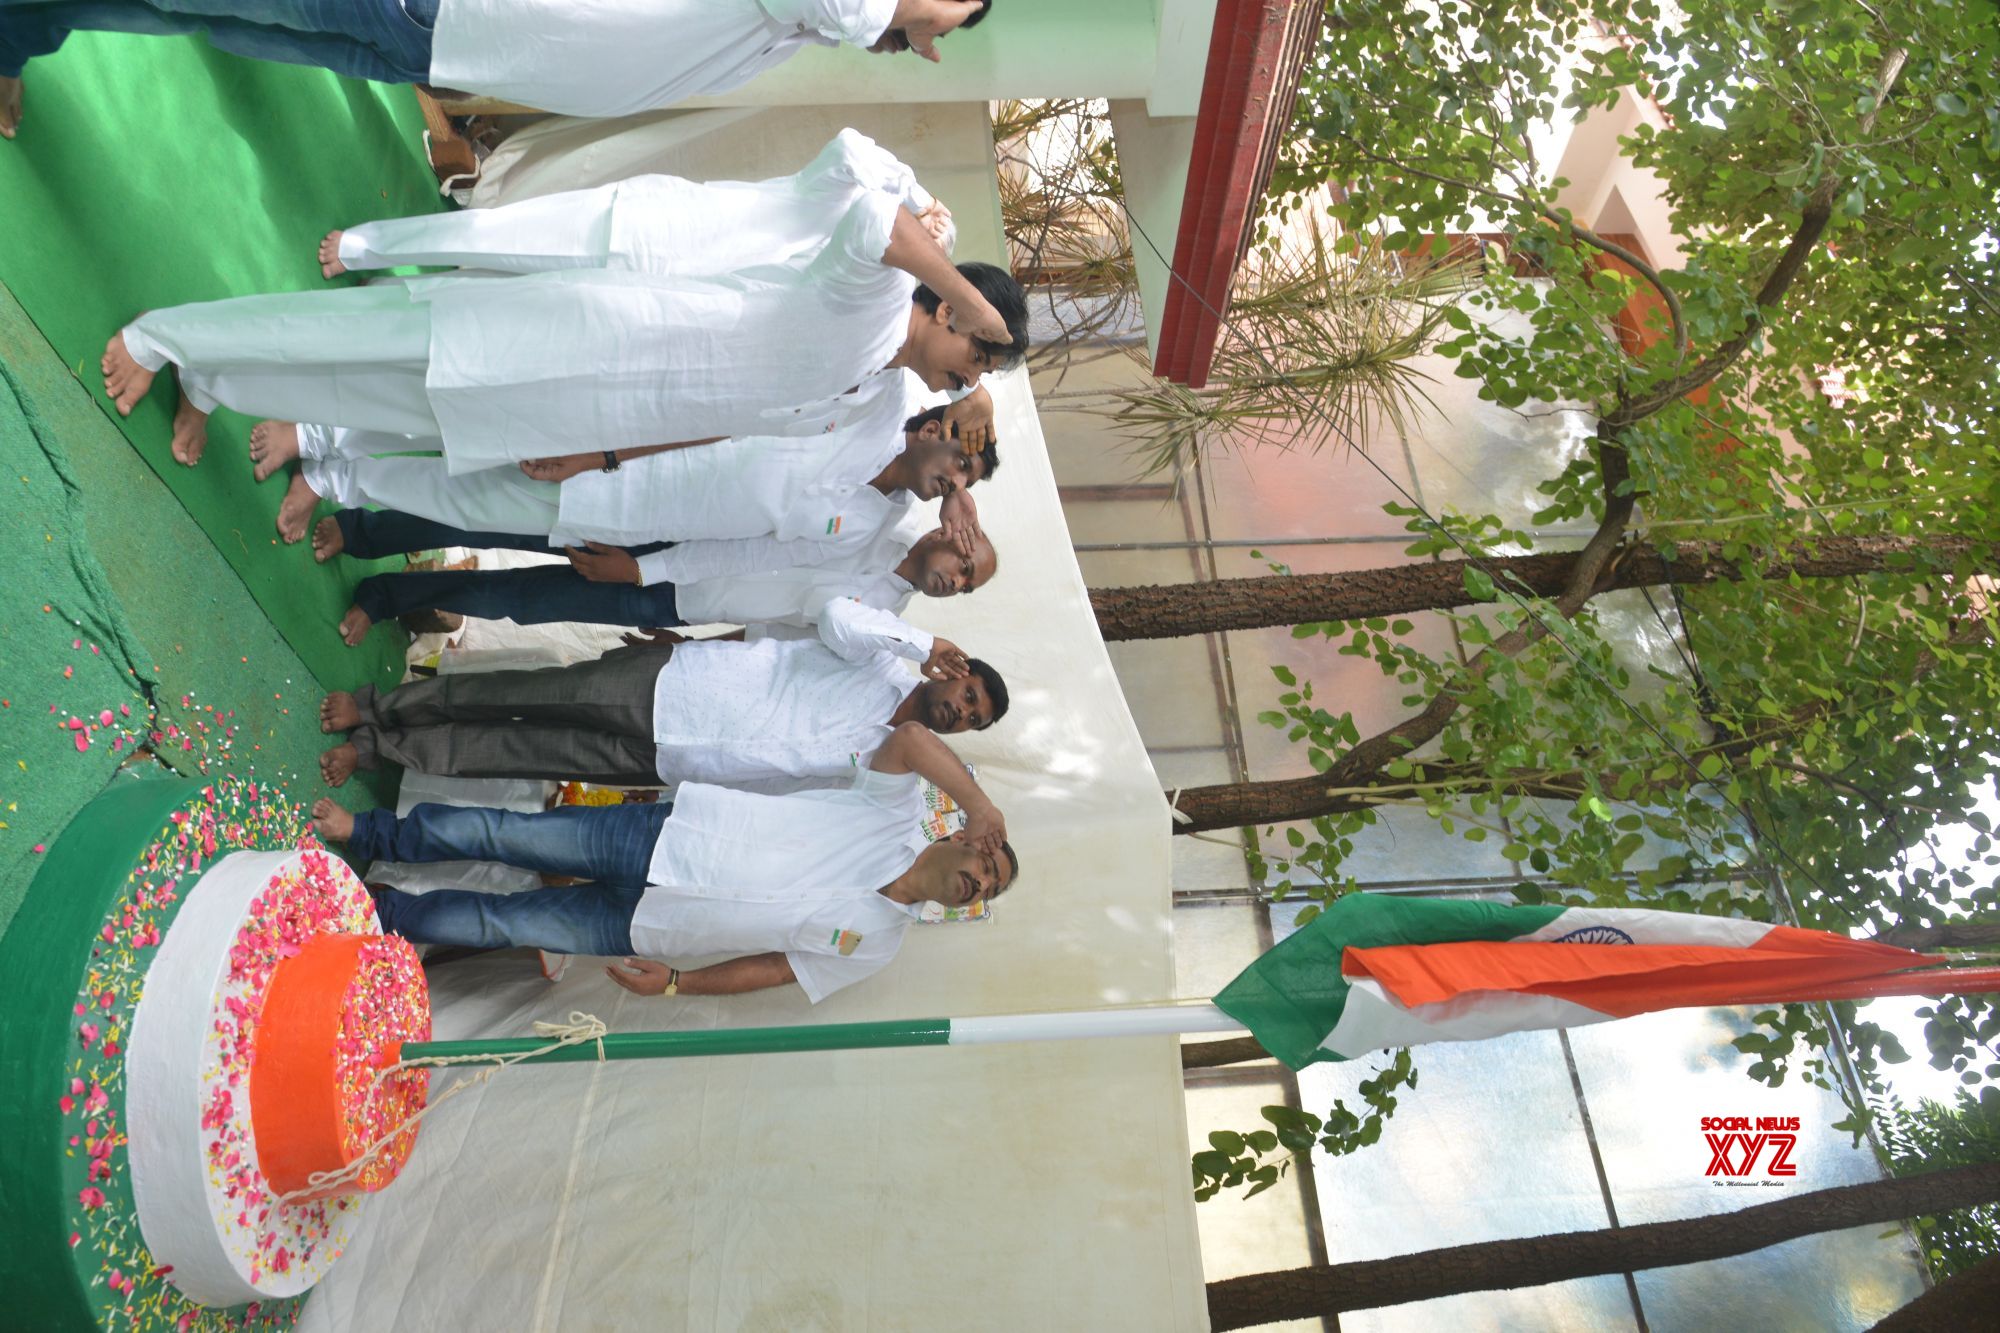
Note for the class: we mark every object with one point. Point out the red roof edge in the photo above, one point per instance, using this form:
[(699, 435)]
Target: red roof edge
[(1256, 51)]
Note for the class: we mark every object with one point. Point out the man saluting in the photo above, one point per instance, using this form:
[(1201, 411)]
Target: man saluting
[(815, 888)]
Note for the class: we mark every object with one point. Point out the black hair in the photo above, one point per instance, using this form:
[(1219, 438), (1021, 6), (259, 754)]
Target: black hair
[(978, 18), (989, 453), (996, 688), (1005, 295), (1013, 870), (989, 457)]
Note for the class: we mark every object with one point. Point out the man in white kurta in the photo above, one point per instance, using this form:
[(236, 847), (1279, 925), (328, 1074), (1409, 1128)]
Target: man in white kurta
[(731, 232), (835, 495), (577, 57), (618, 57), (815, 887), (745, 581), (773, 716), (531, 365)]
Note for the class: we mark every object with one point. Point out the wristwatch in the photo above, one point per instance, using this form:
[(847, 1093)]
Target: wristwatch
[(673, 982), (610, 460)]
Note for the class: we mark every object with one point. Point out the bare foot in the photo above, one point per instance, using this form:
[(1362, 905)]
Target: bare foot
[(125, 380), (329, 255), (338, 764), (296, 510), (330, 822), (190, 433), (354, 626), (339, 713), (10, 105), (272, 445), (328, 541)]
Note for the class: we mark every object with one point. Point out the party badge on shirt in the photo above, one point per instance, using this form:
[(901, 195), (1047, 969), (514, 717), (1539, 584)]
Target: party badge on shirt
[(847, 941), (833, 525)]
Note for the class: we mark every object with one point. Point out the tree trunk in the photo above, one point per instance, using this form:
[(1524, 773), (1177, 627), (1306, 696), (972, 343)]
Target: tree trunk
[(1964, 1300), (1244, 804), (1308, 1293), (1974, 932), (1230, 1051), (1165, 611)]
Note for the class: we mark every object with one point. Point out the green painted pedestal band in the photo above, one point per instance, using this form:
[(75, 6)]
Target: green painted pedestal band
[(44, 956)]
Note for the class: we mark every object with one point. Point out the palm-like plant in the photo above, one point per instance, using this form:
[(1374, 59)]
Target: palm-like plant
[(1061, 207), (1318, 348)]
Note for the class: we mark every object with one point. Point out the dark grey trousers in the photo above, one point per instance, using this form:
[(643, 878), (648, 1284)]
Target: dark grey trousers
[(591, 722)]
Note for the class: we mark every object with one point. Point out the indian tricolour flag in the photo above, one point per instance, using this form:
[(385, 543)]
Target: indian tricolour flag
[(1375, 971)]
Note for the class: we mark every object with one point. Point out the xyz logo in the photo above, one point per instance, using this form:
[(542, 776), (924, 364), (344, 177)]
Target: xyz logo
[(1737, 1143)]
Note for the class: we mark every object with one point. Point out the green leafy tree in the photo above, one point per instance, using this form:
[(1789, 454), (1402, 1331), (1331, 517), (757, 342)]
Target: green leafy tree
[(1831, 168), (1965, 1132)]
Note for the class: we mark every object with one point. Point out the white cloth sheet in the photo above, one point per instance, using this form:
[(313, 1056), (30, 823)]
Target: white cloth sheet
[(615, 57)]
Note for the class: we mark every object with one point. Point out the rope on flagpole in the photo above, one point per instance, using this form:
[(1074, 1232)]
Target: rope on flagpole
[(580, 1028)]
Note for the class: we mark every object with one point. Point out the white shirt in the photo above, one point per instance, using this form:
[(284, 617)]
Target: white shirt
[(861, 532), (729, 232), (540, 364), (775, 715), (787, 488), (615, 57), (720, 582), (739, 873)]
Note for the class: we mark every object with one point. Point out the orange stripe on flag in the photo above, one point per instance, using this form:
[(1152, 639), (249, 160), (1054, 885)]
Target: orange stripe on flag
[(1624, 979)]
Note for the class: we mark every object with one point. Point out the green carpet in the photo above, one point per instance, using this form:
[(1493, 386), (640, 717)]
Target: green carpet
[(68, 652), (87, 530), (154, 171)]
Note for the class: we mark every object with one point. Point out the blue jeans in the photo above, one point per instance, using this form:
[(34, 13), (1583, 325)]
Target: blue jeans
[(370, 534), (587, 919), (543, 595), (611, 844), (538, 596), (385, 40)]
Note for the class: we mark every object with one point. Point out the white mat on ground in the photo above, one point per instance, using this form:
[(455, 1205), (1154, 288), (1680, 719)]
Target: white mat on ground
[(1004, 1188)]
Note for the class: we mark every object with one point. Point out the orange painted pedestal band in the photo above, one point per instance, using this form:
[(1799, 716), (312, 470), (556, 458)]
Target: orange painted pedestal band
[(295, 1099)]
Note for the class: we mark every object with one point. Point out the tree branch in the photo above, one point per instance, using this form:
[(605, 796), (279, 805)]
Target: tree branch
[(1312, 1293), (1570, 226), (1812, 225)]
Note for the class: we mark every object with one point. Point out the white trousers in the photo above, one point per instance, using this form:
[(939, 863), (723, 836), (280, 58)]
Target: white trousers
[(339, 468), (568, 230), (354, 355)]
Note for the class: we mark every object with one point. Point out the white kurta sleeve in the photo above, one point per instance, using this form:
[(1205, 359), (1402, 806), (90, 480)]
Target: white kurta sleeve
[(853, 161), (861, 22), (653, 568), (857, 632), (714, 557), (567, 230), (852, 259)]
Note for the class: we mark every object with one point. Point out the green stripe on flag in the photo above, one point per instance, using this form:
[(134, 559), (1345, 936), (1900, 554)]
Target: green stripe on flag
[(1291, 997)]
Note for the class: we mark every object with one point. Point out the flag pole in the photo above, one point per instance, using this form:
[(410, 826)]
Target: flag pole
[(1061, 1025), (1068, 1025)]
